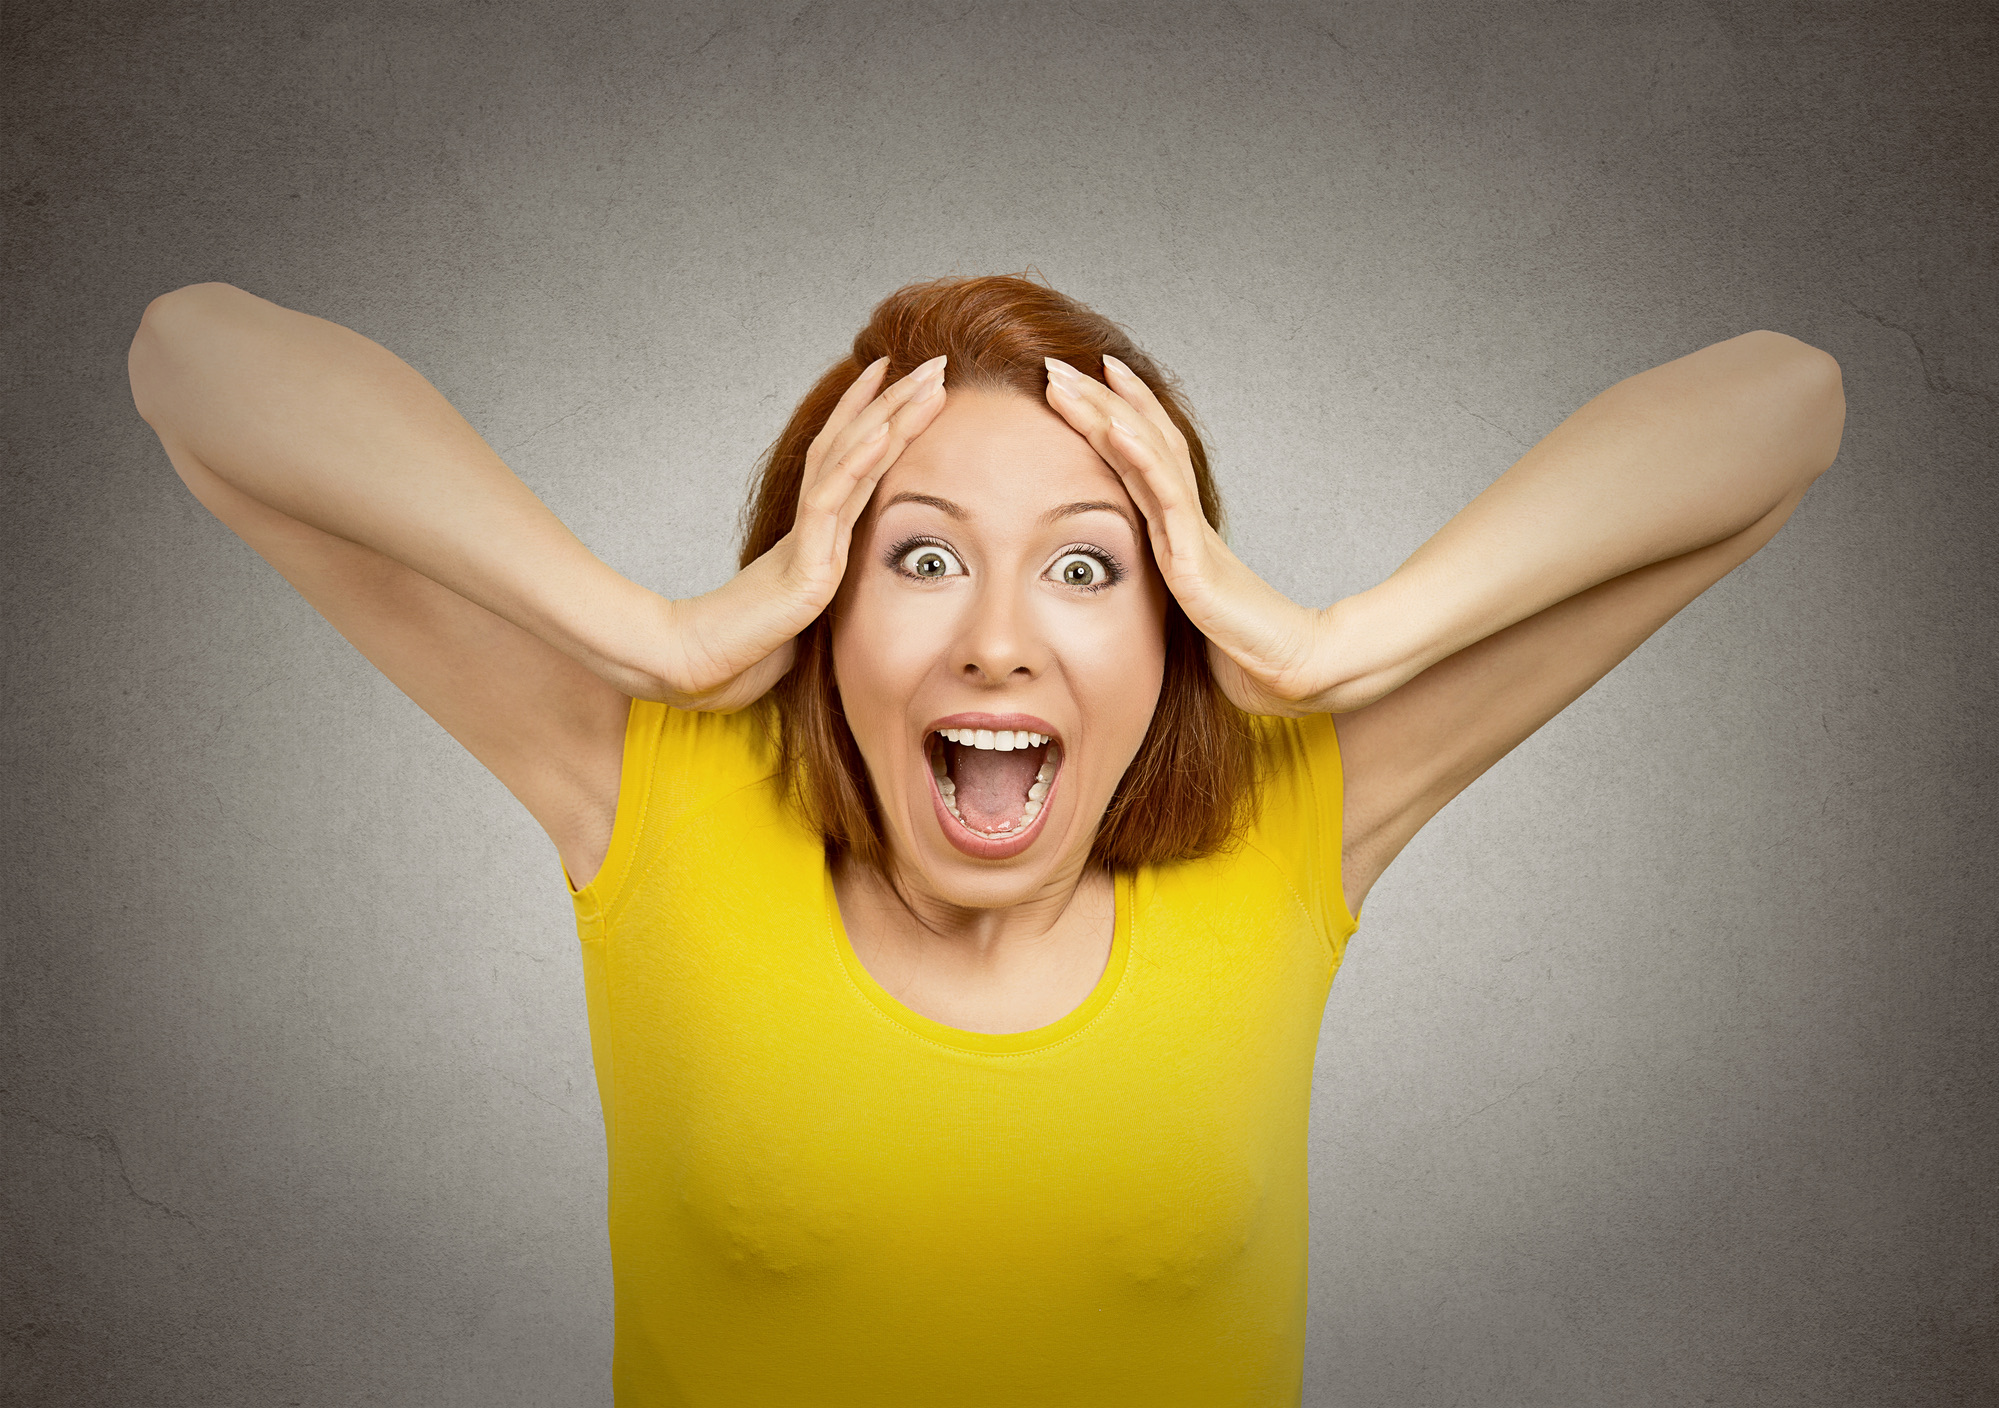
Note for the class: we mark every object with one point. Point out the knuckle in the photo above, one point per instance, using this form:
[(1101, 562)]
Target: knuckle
[(857, 460), (844, 465)]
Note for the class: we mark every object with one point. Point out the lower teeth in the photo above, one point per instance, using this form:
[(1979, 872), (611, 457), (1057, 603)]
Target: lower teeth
[(947, 789)]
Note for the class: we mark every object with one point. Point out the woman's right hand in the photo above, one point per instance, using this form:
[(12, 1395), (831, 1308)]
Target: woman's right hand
[(727, 648)]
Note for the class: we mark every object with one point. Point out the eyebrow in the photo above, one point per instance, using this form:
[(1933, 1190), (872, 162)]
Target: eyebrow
[(1062, 511), (1054, 515), (941, 505)]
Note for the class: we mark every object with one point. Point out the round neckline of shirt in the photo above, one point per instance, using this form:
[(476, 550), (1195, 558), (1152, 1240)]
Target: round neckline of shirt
[(989, 1043)]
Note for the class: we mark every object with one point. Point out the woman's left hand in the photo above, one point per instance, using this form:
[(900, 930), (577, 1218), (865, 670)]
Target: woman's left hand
[(1269, 654)]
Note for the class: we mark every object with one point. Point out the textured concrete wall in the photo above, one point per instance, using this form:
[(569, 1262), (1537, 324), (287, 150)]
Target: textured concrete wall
[(1663, 1068)]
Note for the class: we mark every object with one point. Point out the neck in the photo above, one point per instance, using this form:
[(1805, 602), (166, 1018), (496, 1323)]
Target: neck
[(899, 909), (1008, 968)]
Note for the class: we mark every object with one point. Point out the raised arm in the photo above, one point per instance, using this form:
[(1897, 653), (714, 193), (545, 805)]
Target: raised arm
[(1598, 536), (317, 423), (354, 478), (1628, 510), (1662, 464)]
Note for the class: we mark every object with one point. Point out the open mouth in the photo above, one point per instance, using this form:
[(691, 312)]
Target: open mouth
[(994, 783)]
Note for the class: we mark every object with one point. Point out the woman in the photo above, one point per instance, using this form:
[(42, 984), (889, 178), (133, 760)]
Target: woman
[(954, 1008)]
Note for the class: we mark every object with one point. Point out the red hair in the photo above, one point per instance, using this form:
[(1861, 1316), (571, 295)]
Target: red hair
[(1191, 785)]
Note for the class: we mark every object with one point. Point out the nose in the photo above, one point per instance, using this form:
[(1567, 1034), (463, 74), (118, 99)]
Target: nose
[(1000, 641)]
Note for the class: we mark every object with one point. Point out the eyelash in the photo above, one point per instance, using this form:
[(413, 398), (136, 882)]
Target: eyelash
[(893, 557), (1113, 569)]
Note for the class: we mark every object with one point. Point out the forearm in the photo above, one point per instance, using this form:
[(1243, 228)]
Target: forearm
[(323, 425), (1661, 464)]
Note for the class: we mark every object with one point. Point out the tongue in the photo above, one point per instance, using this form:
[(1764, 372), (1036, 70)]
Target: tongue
[(992, 786)]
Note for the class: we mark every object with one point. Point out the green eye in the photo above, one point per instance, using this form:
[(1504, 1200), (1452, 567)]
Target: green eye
[(929, 562), (1079, 569)]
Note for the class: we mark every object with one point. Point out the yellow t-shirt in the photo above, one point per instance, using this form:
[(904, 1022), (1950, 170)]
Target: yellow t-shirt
[(820, 1197)]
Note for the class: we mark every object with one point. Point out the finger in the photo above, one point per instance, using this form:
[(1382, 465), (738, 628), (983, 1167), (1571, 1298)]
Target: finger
[(1126, 439), (843, 489), (866, 424), (908, 422), (1130, 385), (828, 512), (826, 487), (863, 390), (1105, 407), (1085, 405)]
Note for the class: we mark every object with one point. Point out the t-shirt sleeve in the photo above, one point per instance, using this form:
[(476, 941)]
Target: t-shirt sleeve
[(676, 763), (1298, 823)]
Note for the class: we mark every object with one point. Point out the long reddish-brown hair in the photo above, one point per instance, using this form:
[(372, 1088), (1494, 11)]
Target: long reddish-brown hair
[(1191, 785)]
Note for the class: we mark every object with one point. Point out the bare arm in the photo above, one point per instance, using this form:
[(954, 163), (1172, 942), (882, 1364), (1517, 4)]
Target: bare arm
[(1630, 509), (1598, 536), (354, 478), (317, 423), (1662, 464)]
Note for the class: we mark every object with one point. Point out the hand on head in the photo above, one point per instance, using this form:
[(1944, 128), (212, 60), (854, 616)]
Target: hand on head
[(1261, 645), (737, 641)]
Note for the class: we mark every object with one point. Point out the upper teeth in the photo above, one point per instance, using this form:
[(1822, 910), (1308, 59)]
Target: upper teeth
[(1003, 740)]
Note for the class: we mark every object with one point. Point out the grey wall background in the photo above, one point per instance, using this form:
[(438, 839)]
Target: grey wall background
[(1663, 1067)]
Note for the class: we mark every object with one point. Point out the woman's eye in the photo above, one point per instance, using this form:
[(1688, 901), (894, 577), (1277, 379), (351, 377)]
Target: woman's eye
[(927, 560), (1079, 569)]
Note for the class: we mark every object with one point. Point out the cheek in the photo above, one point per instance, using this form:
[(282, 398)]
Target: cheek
[(884, 644), (1116, 661)]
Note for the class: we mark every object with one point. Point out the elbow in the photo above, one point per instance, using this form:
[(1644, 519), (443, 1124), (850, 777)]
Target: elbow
[(147, 361), (1823, 411), (174, 316), (1808, 395), (166, 329)]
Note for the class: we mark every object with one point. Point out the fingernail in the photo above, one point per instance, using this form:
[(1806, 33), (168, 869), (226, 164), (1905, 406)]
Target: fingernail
[(931, 388), (1119, 425), (1111, 361), (1060, 370), (932, 368)]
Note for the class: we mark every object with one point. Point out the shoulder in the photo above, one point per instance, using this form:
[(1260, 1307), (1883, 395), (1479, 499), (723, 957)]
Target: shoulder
[(1301, 781), (1281, 874), (679, 765), (678, 761), (1297, 822), (734, 747)]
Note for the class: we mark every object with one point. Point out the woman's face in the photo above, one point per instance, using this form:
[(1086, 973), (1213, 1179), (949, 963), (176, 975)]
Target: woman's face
[(1000, 584)]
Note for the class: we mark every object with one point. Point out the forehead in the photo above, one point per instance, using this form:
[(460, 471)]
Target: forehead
[(1000, 450)]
